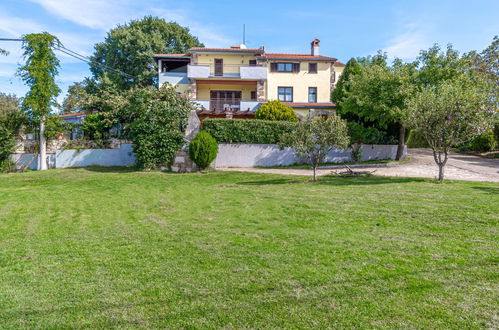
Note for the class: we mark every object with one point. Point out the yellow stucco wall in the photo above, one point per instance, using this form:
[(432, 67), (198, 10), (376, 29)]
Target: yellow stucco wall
[(203, 91), (232, 62), (301, 81)]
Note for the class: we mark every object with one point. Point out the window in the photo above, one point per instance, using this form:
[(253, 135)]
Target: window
[(253, 95), (312, 67), (284, 67), (285, 94), (312, 94), (219, 67), (252, 62)]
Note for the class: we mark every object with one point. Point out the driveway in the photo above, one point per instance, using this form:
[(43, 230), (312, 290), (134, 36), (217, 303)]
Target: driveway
[(420, 165)]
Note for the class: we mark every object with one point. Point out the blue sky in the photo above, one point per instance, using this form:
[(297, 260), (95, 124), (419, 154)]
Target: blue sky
[(346, 28)]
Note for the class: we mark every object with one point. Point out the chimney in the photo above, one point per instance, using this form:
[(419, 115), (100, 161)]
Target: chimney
[(314, 45)]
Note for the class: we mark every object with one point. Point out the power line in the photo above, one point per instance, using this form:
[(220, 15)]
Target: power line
[(80, 57)]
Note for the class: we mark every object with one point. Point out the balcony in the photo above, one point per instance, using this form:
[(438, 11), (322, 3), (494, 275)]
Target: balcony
[(198, 71), (173, 78), (229, 71), (227, 104)]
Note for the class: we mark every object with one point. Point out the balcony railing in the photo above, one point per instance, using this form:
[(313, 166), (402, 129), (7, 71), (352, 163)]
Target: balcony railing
[(238, 71), (227, 105)]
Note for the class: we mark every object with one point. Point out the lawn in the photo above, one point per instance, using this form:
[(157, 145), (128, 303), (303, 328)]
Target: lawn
[(103, 248)]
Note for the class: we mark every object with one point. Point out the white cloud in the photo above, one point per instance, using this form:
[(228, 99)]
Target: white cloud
[(408, 43), (95, 14), (207, 34)]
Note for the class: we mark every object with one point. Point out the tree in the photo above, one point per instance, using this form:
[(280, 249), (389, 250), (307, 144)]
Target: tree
[(39, 74), (129, 48), (11, 116), (12, 119), (339, 93), (377, 93), (451, 113), (158, 118), (275, 110), (75, 98), (203, 149), (315, 137)]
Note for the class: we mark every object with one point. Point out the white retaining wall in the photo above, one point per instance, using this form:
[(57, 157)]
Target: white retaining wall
[(249, 155), (80, 158)]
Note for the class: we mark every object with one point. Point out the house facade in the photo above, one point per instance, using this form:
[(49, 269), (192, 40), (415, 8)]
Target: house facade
[(233, 82)]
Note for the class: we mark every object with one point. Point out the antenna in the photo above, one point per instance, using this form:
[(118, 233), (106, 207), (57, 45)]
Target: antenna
[(244, 34)]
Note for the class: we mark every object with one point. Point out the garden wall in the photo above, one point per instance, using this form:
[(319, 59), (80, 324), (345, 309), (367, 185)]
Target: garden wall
[(248, 155), (123, 156)]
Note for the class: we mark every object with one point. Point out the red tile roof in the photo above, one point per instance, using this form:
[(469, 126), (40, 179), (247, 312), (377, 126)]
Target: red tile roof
[(169, 55), (73, 114), (256, 50), (338, 63), (285, 56), (310, 105)]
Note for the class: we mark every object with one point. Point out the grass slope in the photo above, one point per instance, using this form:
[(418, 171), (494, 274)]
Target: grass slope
[(104, 248)]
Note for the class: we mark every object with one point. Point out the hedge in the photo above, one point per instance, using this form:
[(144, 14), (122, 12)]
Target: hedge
[(247, 131)]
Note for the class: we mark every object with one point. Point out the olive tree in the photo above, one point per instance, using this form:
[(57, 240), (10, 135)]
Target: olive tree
[(315, 137), (450, 113)]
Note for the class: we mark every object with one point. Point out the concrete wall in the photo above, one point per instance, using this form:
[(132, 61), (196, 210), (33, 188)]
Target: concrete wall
[(98, 157), (248, 155), (30, 161), (84, 157)]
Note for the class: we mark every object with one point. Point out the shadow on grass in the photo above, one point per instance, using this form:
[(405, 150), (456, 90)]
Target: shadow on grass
[(269, 182), (111, 169), (336, 181), (490, 190)]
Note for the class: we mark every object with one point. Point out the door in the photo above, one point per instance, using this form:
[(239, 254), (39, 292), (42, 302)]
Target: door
[(219, 67), (225, 100)]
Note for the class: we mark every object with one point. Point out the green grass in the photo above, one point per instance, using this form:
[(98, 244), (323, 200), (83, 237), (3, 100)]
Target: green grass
[(101, 248), (365, 162)]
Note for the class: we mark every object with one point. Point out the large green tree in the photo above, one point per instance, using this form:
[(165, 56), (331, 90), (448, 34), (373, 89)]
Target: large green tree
[(39, 74), (377, 93), (128, 49), (339, 93), (450, 113)]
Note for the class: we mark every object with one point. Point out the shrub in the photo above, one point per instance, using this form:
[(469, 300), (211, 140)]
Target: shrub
[(158, 128), (496, 131), (367, 135), (247, 131), (7, 146), (416, 140), (96, 127), (54, 126), (203, 149), (275, 110), (483, 143)]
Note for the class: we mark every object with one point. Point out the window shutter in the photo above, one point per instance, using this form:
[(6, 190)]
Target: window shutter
[(273, 67), (296, 67)]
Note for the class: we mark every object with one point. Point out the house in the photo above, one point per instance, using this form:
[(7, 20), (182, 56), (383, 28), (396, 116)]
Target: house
[(233, 82)]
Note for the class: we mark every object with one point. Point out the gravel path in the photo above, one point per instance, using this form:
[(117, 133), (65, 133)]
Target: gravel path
[(421, 165)]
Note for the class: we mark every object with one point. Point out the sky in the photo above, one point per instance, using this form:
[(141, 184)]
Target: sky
[(346, 28)]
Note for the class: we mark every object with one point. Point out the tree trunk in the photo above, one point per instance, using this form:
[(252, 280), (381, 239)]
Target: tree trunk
[(441, 172), (314, 167), (43, 146), (400, 148), (440, 162)]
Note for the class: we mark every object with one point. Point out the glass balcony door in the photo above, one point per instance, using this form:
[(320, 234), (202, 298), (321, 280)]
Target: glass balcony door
[(225, 100)]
